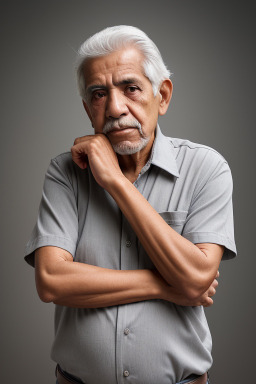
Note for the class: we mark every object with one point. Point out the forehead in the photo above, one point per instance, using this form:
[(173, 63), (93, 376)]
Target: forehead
[(114, 67)]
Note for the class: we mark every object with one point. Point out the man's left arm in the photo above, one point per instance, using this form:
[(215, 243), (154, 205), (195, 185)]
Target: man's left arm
[(189, 268)]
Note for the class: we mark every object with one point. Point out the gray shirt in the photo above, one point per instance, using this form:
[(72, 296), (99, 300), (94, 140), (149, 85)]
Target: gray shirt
[(153, 341)]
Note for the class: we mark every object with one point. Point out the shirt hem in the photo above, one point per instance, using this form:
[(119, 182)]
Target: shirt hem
[(43, 241), (210, 237)]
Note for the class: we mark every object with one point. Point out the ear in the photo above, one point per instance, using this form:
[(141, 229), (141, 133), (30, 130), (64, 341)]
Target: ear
[(87, 110), (165, 96)]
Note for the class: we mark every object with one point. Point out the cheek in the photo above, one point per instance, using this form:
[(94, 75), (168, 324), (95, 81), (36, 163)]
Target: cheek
[(138, 109), (97, 113), (144, 112)]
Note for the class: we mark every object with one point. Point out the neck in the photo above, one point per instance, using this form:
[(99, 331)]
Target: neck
[(131, 165)]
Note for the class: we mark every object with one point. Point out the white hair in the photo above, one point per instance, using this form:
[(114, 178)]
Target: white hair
[(114, 38)]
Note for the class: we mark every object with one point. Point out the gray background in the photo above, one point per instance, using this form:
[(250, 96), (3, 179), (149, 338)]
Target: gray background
[(210, 48)]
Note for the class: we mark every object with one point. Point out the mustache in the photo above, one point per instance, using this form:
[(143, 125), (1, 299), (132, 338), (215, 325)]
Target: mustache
[(121, 123)]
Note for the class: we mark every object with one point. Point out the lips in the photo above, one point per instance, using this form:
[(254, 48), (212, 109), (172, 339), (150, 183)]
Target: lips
[(121, 129)]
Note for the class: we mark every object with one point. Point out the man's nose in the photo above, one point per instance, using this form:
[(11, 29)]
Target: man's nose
[(116, 106)]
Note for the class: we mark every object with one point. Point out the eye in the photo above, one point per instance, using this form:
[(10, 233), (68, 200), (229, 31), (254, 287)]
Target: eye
[(98, 95), (132, 89)]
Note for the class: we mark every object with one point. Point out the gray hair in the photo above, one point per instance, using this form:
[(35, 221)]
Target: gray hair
[(114, 38)]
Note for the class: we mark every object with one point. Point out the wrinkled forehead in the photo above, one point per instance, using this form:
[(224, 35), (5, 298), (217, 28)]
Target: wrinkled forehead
[(126, 62)]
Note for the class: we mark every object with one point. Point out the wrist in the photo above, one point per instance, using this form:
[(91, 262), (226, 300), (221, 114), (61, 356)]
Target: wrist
[(156, 285), (117, 185)]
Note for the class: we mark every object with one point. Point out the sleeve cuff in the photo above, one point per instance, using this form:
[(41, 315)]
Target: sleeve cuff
[(44, 241), (210, 237)]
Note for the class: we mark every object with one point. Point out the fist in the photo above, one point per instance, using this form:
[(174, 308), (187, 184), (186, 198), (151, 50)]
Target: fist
[(96, 150)]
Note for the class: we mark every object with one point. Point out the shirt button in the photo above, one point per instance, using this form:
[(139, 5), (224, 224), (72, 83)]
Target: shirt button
[(126, 331), (128, 243), (126, 373)]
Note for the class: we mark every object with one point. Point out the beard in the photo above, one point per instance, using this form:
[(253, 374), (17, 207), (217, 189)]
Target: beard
[(126, 147)]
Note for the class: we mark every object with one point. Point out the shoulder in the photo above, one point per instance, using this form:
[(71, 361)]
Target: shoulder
[(62, 164), (192, 149), (200, 162), (63, 167), (199, 155), (66, 163), (63, 159)]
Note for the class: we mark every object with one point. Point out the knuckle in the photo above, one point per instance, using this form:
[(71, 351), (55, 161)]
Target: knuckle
[(81, 139), (99, 138), (92, 145), (75, 150), (77, 140), (96, 142)]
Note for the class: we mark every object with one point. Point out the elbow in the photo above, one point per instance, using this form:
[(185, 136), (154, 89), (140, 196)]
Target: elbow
[(47, 276), (195, 289), (44, 294), (191, 287), (192, 294), (44, 289), (46, 297)]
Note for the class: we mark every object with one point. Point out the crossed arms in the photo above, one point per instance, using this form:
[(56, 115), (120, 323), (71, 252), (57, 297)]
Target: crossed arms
[(186, 273)]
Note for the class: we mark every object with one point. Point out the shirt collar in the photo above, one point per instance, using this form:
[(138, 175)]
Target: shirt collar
[(162, 154)]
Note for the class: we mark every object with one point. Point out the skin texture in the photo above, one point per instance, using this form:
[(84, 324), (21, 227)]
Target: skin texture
[(74, 284), (186, 272)]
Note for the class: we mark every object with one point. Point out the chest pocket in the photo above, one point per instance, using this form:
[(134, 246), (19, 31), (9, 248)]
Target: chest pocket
[(176, 219)]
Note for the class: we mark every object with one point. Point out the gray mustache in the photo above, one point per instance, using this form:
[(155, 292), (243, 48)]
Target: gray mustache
[(121, 123)]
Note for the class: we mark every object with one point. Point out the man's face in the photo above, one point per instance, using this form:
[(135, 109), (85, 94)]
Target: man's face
[(120, 100)]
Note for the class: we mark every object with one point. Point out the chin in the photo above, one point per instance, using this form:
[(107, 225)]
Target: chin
[(129, 148)]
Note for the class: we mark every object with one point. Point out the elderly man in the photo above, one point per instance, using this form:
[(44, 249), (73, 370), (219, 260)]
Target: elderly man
[(131, 229)]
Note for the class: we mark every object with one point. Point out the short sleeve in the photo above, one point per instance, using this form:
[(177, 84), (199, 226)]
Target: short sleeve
[(57, 223), (210, 217)]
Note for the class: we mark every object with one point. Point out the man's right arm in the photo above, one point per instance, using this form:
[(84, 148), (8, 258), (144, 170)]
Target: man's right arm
[(61, 280)]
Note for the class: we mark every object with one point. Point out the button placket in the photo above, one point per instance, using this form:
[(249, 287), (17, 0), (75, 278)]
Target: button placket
[(128, 261)]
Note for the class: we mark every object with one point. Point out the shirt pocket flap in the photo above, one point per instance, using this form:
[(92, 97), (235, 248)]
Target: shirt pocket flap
[(174, 218)]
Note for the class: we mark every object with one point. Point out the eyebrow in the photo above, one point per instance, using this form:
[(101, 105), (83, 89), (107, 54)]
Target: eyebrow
[(92, 88), (129, 80)]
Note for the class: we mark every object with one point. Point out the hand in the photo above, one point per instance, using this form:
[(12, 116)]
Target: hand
[(98, 152), (169, 293), (206, 299)]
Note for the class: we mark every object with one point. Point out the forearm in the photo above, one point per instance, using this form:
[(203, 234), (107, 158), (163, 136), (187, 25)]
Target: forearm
[(106, 287), (182, 264), (88, 286), (61, 280), (73, 284)]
